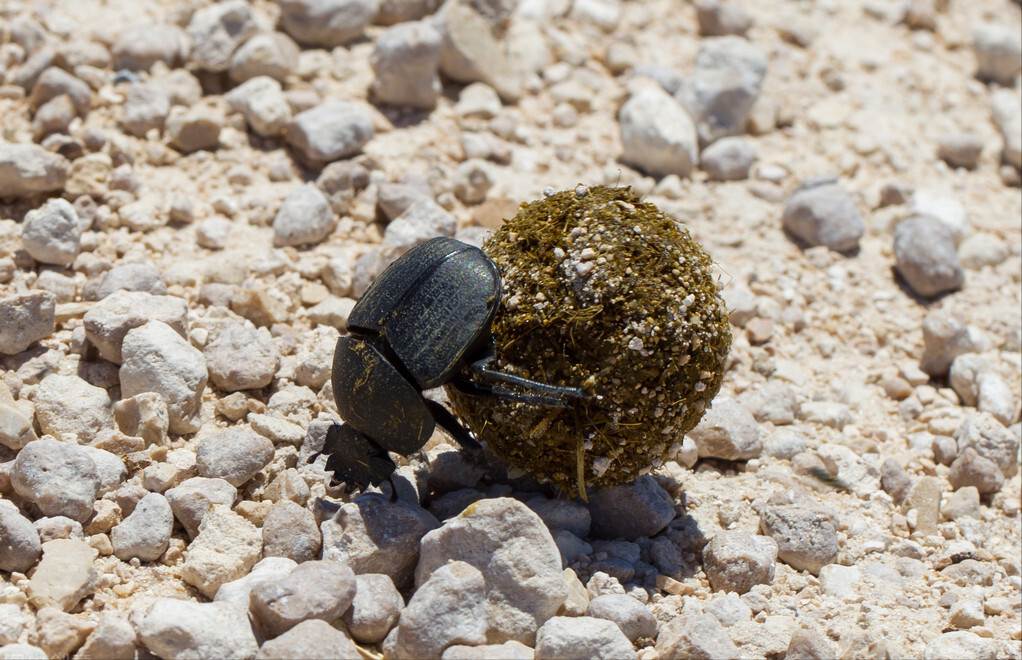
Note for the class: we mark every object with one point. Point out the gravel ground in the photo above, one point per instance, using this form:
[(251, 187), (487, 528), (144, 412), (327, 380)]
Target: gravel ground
[(194, 194)]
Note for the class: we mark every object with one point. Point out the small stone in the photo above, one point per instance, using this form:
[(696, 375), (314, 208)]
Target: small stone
[(806, 538), (657, 135), (965, 614), (12, 620), (774, 402), (728, 159), (60, 634), (478, 100), (694, 636), (723, 87), (64, 576), (271, 54), (828, 413), (20, 547), (290, 530), (998, 49), (729, 609), (375, 610), (839, 581), (718, 19), (960, 644), (894, 480), (988, 436), (194, 498), (144, 534), (51, 233), (314, 590), (25, 318), (226, 548), (138, 48), (631, 616), (234, 455), (506, 651), (578, 599), (473, 178), (217, 30), (143, 416), (22, 652), (132, 277), (727, 430), (109, 320), (504, 539), (174, 628), (924, 252), (947, 210), (960, 149), (405, 61), (486, 45), (735, 560), (68, 405), (981, 249), (54, 82), (58, 527), (374, 535), (448, 608), (423, 220), (603, 13), (59, 478), (241, 358), (972, 469), (820, 212), (261, 100), (640, 508), (146, 106), (157, 359), (313, 639), (995, 397), (304, 217), (194, 128), (27, 169), (808, 643), (329, 131), (239, 592), (582, 637), (326, 23), (54, 116), (113, 639), (945, 337), (141, 216), (785, 444), (1006, 111), (562, 514)]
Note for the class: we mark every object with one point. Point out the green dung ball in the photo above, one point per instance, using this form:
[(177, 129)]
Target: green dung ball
[(603, 292)]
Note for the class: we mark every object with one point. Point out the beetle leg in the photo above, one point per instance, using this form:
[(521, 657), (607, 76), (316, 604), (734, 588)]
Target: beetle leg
[(449, 423), (472, 388), (483, 369), (354, 458)]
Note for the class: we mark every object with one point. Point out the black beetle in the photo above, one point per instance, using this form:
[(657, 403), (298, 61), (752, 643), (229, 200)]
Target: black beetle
[(423, 323)]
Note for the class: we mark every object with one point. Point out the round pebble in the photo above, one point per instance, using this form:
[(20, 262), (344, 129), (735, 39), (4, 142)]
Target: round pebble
[(59, 478), (234, 455)]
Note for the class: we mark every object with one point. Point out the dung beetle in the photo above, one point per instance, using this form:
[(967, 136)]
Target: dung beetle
[(423, 323)]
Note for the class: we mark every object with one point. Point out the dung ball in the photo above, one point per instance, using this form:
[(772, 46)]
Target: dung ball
[(603, 292)]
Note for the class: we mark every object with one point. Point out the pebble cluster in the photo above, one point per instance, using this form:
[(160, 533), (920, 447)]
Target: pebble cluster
[(194, 194)]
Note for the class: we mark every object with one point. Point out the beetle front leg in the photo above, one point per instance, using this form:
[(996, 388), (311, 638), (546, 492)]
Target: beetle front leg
[(482, 368)]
